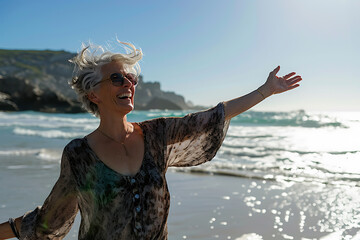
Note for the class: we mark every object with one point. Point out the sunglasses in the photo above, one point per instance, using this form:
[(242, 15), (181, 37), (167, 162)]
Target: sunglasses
[(117, 79)]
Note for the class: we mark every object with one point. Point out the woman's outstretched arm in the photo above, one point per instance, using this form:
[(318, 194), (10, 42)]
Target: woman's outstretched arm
[(273, 85)]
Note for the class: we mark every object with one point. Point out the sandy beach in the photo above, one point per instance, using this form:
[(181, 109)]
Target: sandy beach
[(205, 206)]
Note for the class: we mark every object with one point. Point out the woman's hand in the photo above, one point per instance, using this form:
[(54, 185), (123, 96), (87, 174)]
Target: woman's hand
[(275, 84)]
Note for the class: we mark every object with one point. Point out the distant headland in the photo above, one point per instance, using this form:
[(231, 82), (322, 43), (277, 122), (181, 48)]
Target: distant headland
[(37, 80)]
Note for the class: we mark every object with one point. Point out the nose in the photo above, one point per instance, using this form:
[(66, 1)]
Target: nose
[(127, 83)]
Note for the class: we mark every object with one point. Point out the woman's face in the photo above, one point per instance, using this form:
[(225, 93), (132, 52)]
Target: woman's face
[(112, 98)]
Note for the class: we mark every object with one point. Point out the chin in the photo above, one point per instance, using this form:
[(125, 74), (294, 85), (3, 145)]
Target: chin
[(130, 107), (127, 109)]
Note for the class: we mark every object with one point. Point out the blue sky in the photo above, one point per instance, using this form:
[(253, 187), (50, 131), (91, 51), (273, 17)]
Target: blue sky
[(210, 51)]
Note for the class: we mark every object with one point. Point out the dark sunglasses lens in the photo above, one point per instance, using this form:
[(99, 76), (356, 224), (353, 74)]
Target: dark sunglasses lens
[(132, 78), (117, 79)]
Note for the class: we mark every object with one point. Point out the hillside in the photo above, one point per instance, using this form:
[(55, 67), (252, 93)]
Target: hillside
[(38, 81)]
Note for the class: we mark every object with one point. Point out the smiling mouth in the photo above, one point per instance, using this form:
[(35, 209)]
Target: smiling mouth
[(124, 96)]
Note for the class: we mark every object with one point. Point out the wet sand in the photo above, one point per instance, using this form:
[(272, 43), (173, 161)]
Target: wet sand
[(222, 207)]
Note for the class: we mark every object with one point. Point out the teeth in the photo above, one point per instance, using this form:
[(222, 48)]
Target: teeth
[(124, 95)]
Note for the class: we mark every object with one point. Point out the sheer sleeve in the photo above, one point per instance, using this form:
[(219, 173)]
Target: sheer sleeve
[(54, 219), (195, 138)]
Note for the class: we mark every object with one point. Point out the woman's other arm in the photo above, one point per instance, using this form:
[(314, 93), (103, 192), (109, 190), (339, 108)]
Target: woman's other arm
[(273, 85), (54, 218)]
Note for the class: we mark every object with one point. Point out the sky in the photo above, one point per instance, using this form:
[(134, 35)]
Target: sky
[(210, 50)]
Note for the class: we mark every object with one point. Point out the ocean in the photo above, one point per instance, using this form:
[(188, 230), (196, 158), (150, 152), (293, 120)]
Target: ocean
[(297, 148)]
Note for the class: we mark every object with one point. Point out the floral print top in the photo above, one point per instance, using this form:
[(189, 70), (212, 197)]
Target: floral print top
[(115, 206)]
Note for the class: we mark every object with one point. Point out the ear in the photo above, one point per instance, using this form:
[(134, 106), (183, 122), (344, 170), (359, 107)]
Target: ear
[(93, 98)]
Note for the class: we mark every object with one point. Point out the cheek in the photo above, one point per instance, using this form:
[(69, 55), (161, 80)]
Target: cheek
[(105, 94)]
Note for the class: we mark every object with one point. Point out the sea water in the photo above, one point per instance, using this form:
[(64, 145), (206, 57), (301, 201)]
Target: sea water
[(321, 148)]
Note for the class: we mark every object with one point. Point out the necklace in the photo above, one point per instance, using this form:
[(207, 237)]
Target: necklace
[(122, 143), (110, 137)]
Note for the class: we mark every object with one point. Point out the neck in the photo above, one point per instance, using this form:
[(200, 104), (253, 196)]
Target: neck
[(115, 127)]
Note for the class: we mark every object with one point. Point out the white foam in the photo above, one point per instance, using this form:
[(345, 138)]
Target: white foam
[(46, 121), (17, 166), (49, 155), (19, 152), (47, 134), (43, 154)]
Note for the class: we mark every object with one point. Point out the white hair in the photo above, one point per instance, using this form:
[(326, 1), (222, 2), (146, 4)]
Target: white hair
[(87, 69)]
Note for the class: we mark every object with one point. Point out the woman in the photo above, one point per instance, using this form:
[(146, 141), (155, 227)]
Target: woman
[(115, 175)]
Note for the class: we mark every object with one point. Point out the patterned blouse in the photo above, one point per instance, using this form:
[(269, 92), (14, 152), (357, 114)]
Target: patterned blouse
[(116, 206)]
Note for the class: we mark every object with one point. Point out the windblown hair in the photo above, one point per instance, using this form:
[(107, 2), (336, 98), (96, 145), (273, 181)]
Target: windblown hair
[(87, 69)]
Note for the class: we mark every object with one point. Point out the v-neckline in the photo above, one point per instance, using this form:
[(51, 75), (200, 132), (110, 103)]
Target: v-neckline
[(97, 158)]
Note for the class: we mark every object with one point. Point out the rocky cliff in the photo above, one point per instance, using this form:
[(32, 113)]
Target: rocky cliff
[(38, 81)]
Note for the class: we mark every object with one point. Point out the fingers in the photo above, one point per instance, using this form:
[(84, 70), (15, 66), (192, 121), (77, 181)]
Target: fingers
[(293, 86), (275, 71), (288, 82), (289, 75), (293, 80)]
